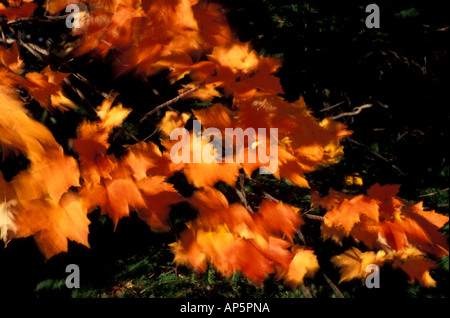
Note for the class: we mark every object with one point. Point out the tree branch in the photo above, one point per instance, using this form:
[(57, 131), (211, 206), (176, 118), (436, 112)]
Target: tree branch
[(313, 217), (333, 286), (165, 104), (375, 154), (355, 111), (241, 193), (432, 193), (332, 106), (306, 291)]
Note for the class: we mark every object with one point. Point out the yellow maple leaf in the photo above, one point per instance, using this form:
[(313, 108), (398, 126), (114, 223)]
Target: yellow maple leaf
[(304, 264), (172, 120), (353, 263)]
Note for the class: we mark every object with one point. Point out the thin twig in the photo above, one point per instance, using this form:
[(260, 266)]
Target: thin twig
[(355, 111), (151, 135), (95, 88), (306, 291), (79, 92), (313, 217), (301, 236), (34, 19), (332, 106), (31, 48), (261, 185), (374, 153), (165, 104), (312, 209), (241, 193), (129, 134), (3, 34), (269, 197), (333, 286), (382, 105), (432, 193)]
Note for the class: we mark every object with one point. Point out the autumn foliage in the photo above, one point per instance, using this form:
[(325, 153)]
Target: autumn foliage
[(191, 40)]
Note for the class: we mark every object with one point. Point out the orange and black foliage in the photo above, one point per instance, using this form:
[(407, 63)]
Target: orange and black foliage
[(87, 178)]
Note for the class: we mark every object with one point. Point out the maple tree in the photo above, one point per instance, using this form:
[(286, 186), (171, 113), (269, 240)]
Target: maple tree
[(191, 42)]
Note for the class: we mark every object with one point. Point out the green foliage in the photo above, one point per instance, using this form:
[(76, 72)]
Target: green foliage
[(50, 284)]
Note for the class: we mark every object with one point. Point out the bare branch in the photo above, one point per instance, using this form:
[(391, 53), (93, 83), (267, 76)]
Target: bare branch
[(333, 286), (313, 217), (301, 236), (34, 19), (355, 111), (332, 106), (95, 88), (169, 102), (241, 193), (126, 132), (432, 193), (306, 291), (33, 49), (374, 153), (150, 136), (312, 209), (269, 197), (264, 193), (3, 35)]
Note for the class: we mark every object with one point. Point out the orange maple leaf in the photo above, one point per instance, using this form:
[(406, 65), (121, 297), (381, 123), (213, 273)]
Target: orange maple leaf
[(416, 265), (38, 202), (239, 70), (353, 264), (382, 219), (203, 173), (10, 58), (46, 89), (304, 143), (216, 116), (51, 224), (278, 218), (20, 132), (51, 175), (92, 141), (232, 239), (135, 181), (113, 195), (56, 6), (158, 196), (349, 212), (17, 10)]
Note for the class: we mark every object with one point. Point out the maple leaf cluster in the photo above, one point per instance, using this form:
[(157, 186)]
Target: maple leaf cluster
[(51, 199), (229, 236), (404, 234)]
